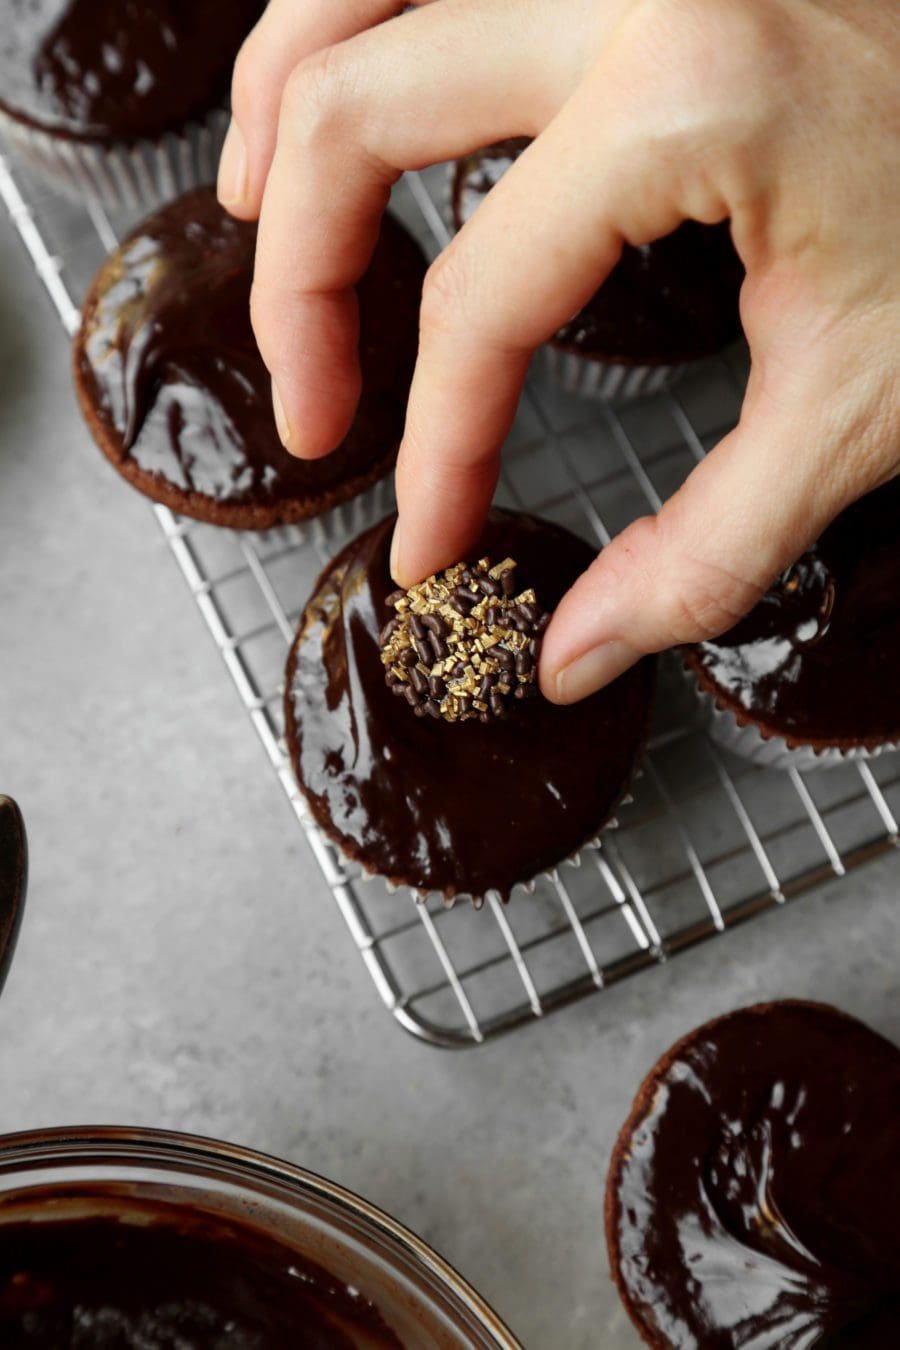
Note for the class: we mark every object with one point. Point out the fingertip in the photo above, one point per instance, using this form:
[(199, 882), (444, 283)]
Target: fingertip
[(587, 673), (282, 425), (406, 566), (309, 347), (442, 510), (313, 427), (395, 556), (233, 179), (425, 542)]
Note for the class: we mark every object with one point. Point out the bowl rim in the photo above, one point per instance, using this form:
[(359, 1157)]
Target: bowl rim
[(54, 1144)]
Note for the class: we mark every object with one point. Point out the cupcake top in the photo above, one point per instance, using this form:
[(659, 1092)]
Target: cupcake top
[(144, 1275), (458, 807), (753, 1192), (465, 642), (118, 70), (670, 301), (816, 661), (172, 384)]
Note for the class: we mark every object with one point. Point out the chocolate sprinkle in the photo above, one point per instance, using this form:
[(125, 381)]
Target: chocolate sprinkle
[(464, 643)]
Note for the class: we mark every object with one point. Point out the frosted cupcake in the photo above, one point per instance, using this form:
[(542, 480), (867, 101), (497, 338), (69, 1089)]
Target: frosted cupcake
[(664, 305), (175, 392), (442, 770), (752, 1194), (125, 101), (809, 677)]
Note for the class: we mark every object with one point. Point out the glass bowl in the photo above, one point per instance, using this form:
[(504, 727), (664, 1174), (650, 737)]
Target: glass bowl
[(85, 1171)]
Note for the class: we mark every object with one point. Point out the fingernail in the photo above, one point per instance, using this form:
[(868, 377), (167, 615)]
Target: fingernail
[(594, 669), (231, 187), (395, 553), (282, 426)]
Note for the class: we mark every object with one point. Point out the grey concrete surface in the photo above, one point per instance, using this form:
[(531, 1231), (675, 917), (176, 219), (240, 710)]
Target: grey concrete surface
[(181, 963)]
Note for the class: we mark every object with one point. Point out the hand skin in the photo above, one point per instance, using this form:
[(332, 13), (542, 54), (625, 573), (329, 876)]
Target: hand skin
[(782, 115)]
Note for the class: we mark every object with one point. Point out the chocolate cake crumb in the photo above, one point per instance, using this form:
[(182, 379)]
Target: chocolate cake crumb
[(464, 643)]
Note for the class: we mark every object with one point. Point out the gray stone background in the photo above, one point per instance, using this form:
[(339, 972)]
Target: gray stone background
[(182, 964)]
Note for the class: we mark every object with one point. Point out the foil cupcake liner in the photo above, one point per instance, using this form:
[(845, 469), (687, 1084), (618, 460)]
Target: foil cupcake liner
[(121, 177), (748, 742)]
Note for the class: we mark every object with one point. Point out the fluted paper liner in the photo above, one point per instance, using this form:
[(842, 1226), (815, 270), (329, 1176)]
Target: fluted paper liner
[(740, 735), (137, 176)]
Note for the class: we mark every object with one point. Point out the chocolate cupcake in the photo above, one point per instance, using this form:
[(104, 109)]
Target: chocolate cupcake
[(176, 394), (458, 807), (124, 101), (663, 306), (753, 1192), (809, 677)]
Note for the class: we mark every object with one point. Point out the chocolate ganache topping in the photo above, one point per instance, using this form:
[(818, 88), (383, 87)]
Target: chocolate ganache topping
[(118, 70), (156, 1278), (172, 383), (457, 808), (670, 301), (753, 1193), (816, 660)]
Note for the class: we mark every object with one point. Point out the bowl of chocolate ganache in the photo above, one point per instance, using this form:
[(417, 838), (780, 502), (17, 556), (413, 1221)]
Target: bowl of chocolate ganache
[(127, 1238)]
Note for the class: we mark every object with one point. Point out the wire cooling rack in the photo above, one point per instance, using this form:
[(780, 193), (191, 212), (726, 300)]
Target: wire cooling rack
[(707, 841)]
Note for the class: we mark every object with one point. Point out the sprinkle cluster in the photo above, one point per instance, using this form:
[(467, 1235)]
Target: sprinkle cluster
[(462, 644)]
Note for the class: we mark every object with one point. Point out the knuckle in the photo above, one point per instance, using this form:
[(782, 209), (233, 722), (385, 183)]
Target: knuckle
[(624, 559), (677, 597), (445, 292), (701, 596), (705, 600), (707, 59), (316, 96)]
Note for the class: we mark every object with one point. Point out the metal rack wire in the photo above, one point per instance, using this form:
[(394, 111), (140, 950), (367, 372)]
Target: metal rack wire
[(707, 841)]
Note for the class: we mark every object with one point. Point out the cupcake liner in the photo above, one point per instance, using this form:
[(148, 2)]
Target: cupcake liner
[(746, 740), (606, 380), (334, 528), (422, 894), (337, 527), (123, 177)]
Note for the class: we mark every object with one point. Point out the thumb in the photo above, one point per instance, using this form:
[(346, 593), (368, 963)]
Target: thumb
[(758, 500)]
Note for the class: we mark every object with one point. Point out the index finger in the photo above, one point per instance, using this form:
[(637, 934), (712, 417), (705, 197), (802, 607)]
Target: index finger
[(420, 88), (286, 34)]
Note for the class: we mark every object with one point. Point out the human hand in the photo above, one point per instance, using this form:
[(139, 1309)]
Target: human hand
[(780, 114)]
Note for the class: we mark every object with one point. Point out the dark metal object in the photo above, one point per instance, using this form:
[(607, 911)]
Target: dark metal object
[(13, 879)]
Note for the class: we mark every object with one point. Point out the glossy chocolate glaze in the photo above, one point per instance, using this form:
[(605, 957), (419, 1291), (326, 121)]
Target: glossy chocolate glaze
[(118, 70), (155, 1278), (461, 807), (754, 1193), (167, 363), (670, 301), (817, 660)]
